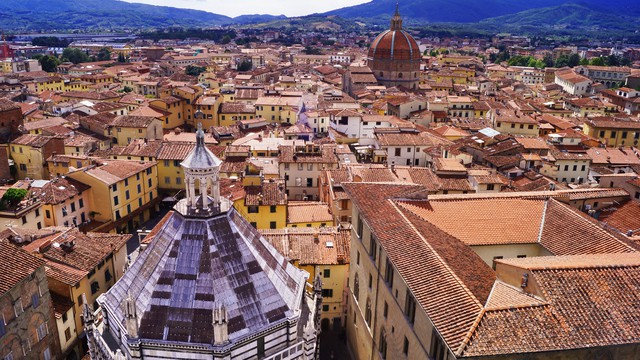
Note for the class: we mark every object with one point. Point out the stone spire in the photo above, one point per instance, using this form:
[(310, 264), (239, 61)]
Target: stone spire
[(396, 20), (131, 316), (220, 324)]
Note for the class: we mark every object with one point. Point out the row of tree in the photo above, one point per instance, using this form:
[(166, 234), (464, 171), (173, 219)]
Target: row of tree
[(50, 63)]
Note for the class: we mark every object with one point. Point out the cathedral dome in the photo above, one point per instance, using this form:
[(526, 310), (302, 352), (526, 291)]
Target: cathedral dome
[(394, 56), (394, 45)]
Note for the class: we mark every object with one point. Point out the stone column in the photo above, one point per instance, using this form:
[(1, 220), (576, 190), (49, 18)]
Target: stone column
[(203, 192)]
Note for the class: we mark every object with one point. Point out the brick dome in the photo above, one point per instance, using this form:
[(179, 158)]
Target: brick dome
[(394, 45), (394, 56)]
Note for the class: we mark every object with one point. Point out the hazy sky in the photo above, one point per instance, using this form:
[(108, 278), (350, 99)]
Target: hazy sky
[(244, 7)]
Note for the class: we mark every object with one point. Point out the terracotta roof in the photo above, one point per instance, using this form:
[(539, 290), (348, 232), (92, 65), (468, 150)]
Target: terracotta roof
[(269, 193), (88, 251), (308, 211), (16, 265), (133, 121), (300, 244), (112, 171), (624, 218), (59, 190), (289, 154), (591, 301), (64, 273), (425, 139), (418, 249), (8, 105), (32, 140)]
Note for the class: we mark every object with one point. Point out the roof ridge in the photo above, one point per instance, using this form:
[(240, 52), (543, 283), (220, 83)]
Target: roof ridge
[(544, 218)]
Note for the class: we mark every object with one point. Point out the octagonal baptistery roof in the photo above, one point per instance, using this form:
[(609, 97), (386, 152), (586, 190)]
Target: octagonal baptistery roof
[(395, 44)]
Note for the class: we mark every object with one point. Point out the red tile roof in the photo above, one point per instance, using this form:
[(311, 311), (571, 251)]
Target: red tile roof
[(16, 265)]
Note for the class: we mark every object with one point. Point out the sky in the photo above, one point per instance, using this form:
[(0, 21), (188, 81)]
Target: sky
[(245, 7)]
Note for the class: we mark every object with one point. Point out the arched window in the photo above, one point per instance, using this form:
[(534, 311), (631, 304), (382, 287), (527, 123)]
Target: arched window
[(382, 347), (356, 288)]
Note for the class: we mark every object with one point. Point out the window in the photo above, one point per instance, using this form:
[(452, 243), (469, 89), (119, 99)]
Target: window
[(388, 273), (107, 275), (42, 331), (566, 168), (398, 150), (309, 167), (67, 334), (253, 209), (115, 200), (167, 180), (24, 220), (35, 300), (405, 347), (254, 224), (47, 214), (176, 163), (139, 188), (356, 287), (79, 299), (325, 308), (80, 203), (37, 212), (326, 273), (178, 180), (513, 126), (370, 281), (410, 307), (150, 183), (359, 228), (272, 225), (372, 247), (613, 134), (126, 182), (17, 307), (300, 166), (358, 252), (327, 293), (383, 345), (272, 208), (490, 186), (95, 287), (126, 195), (624, 135), (583, 168), (602, 134), (367, 312), (530, 127), (2, 327), (117, 214), (64, 317), (385, 310), (309, 182), (114, 187), (286, 166)]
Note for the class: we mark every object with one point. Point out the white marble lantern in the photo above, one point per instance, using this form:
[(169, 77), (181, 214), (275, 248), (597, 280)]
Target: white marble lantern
[(201, 167)]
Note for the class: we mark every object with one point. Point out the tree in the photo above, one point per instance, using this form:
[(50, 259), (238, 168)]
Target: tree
[(562, 61), (245, 65), (613, 60), (13, 196), (75, 55), (309, 50), (121, 58), (49, 63), (548, 60), (597, 61), (225, 39), (574, 60), (584, 61), (104, 54), (194, 70)]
